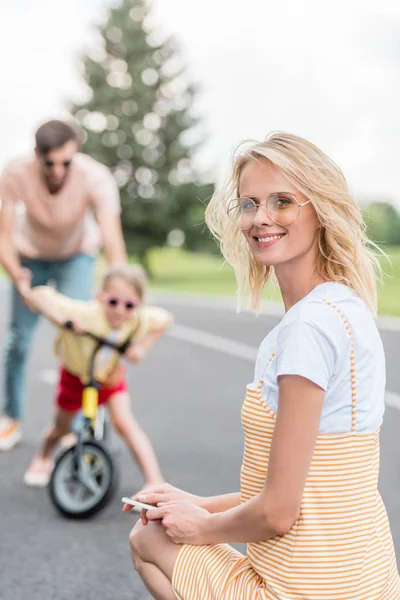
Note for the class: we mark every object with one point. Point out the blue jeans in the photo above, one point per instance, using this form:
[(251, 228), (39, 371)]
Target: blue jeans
[(73, 277)]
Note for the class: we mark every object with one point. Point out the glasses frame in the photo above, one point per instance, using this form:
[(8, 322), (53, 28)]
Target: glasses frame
[(264, 204), (113, 302), (50, 164)]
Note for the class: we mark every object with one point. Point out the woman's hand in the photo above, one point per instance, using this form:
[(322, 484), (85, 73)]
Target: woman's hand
[(184, 522), (163, 493)]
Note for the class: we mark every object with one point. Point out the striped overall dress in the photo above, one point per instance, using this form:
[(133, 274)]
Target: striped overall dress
[(340, 548)]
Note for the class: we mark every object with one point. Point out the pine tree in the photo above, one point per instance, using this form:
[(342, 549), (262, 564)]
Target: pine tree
[(138, 121)]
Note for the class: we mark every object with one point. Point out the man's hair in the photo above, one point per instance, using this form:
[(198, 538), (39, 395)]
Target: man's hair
[(54, 134), (133, 275)]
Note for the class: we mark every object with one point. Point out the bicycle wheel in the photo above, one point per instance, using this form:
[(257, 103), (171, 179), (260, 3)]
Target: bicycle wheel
[(81, 490)]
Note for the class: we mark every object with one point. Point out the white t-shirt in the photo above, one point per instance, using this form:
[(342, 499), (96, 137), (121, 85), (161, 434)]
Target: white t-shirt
[(311, 340)]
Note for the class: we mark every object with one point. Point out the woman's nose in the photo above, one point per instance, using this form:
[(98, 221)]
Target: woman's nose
[(262, 216)]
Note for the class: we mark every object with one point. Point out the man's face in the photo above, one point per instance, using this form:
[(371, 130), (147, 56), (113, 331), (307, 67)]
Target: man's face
[(56, 164)]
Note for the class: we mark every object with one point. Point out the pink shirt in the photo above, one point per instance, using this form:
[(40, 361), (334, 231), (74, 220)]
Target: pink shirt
[(61, 225)]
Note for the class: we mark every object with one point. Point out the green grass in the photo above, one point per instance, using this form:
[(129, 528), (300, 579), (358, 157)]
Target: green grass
[(389, 291), (180, 271)]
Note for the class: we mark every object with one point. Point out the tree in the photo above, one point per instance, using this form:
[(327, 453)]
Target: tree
[(383, 223), (138, 121)]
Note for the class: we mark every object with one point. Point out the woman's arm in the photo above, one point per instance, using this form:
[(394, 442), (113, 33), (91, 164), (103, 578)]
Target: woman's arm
[(216, 504), (276, 508), (168, 493)]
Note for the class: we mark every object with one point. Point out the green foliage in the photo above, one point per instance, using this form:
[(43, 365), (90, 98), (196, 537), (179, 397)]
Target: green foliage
[(383, 223), (138, 121)]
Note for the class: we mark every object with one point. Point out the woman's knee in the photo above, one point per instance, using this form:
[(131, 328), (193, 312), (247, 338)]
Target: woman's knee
[(144, 541), (136, 543)]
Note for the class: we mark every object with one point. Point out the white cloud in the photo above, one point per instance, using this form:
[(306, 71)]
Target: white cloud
[(329, 72)]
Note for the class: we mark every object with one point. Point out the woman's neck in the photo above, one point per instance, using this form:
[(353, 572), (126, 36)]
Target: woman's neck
[(296, 280)]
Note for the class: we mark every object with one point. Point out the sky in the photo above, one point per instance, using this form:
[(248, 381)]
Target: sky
[(329, 72)]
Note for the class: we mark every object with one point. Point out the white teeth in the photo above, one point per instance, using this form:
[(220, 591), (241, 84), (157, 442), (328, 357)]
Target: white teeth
[(270, 238)]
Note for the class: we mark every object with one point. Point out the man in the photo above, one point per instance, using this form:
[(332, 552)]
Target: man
[(57, 207)]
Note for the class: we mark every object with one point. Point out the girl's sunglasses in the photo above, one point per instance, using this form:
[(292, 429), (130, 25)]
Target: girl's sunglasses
[(114, 302)]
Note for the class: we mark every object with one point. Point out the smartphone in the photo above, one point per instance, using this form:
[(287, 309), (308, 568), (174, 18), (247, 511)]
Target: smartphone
[(137, 504)]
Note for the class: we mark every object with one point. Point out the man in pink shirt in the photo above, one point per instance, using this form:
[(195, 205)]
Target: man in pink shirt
[(58, 207)]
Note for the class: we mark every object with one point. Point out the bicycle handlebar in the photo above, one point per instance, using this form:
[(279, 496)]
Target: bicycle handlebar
[(121, 348)]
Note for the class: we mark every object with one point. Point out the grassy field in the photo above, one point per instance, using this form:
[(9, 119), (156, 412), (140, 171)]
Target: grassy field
[(180, 271)]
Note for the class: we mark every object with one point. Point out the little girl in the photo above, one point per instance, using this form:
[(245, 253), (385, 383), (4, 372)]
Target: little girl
[(117, 314)]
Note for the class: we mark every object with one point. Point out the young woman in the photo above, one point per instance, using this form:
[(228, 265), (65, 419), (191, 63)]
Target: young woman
[(308, 507)]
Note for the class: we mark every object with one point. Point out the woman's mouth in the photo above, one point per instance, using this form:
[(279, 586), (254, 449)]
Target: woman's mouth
[(268, 240)]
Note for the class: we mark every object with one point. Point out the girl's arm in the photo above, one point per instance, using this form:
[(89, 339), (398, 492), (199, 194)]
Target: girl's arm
[(39, 301), (139, 349), (275, 509)]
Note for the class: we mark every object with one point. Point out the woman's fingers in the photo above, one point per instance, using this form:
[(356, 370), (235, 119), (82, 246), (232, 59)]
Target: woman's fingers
[(152, 498), (143, 516), (155, 514)]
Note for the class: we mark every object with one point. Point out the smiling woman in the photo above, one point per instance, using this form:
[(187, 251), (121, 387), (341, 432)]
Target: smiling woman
[(308, 507)]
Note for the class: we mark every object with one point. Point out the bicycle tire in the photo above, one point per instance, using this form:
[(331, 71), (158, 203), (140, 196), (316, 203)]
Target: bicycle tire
[(59, 496)]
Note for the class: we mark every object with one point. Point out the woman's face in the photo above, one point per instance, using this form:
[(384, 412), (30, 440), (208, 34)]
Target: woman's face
[(270, 243)]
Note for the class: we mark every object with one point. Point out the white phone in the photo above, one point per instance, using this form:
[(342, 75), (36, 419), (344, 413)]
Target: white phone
[(137, 504)]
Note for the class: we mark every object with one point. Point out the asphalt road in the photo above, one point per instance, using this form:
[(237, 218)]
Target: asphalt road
[(188, 399)]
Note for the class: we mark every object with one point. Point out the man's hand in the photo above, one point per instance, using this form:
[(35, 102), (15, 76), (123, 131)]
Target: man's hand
[(23, 283)]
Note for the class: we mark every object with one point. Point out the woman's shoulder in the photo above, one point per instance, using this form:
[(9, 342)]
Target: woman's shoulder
[(327, 306)]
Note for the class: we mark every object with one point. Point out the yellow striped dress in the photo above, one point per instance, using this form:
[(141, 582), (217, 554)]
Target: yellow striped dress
[(340, 548)]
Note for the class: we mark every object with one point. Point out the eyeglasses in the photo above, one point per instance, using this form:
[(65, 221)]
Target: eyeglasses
[(114, 302), (50, 164), (282, 207)]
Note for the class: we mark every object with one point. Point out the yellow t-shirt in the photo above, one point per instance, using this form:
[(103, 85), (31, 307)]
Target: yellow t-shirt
[(74, 351)]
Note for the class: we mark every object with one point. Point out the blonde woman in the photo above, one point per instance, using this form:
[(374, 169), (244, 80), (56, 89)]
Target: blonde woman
[(308, 508)]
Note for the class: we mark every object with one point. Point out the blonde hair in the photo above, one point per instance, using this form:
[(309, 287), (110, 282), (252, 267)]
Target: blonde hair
[(344, 255), (133, 275)]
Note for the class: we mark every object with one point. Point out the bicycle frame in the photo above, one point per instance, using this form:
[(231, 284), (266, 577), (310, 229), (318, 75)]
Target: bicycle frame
[(90, 394)]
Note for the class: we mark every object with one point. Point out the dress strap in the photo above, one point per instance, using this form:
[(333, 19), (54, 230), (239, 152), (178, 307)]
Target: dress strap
[(352, 364), (263, 373)]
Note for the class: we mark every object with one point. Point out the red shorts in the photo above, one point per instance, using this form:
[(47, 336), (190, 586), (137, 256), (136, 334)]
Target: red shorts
[(70, 388)]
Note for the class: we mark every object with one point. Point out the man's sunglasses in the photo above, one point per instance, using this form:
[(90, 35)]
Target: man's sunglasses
[(50, 164), (114, 302)]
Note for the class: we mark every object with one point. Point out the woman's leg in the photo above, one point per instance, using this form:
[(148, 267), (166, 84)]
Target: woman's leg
[(154, 557), (135, 438)]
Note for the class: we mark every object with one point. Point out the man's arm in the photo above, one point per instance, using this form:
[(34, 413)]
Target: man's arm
[(8, 255), (114, 245), (105, 200)]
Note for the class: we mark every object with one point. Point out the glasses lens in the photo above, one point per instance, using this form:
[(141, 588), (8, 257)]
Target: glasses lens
[(113, 302), (283, 209), (130, 305), (241, 211)]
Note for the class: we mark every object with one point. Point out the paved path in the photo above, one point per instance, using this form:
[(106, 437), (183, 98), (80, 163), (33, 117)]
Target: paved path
[(188, 397)]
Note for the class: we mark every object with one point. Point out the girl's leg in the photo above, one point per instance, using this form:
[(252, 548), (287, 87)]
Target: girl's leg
[(39, 471), (61, 426), (154, 556), (135, 438)]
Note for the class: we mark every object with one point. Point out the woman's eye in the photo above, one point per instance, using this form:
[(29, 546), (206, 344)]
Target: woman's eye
[(283, 201), (247, 205)]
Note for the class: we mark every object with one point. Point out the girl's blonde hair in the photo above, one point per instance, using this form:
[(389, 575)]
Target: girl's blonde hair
[(133, 275), (344, 255)]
